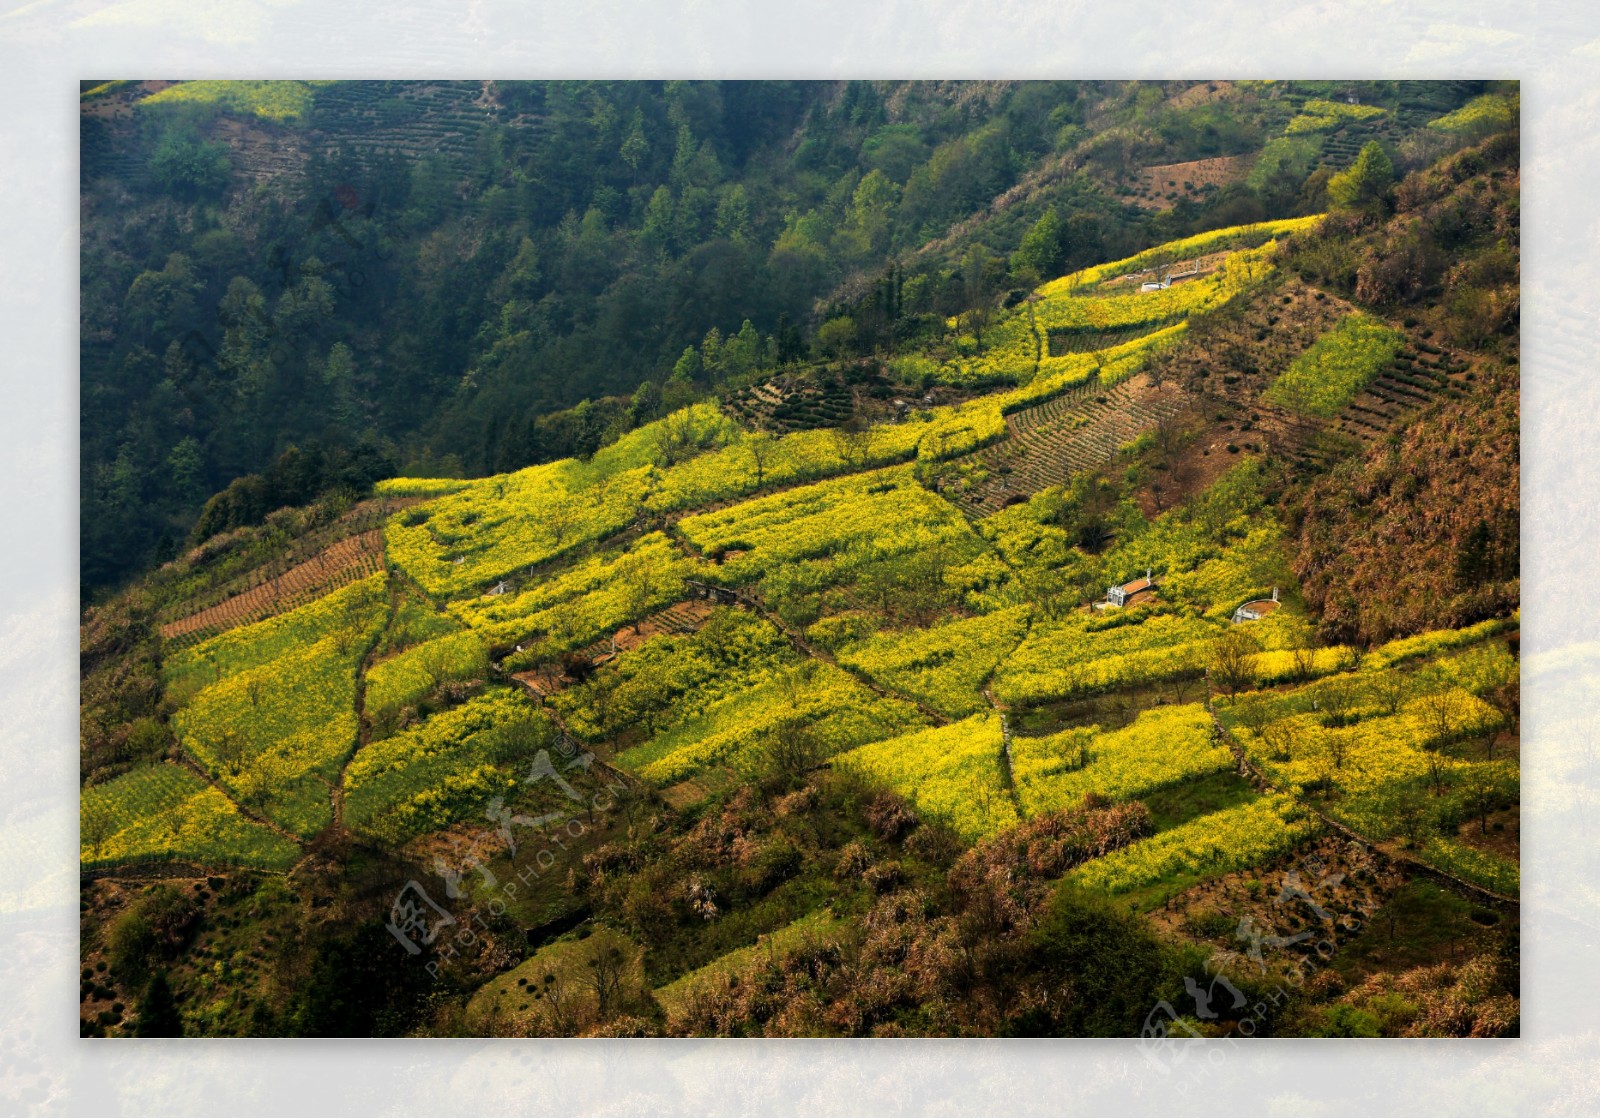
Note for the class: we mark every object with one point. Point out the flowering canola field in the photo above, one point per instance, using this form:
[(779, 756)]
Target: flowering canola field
[(945, 665), (274, 711), (275, 727), (1336, 367), (1395, 749), (952, 773), (166, 812), (443, 770), (409, 675), (586, 600), (1234, 838), (1163, 746), (823, 703)]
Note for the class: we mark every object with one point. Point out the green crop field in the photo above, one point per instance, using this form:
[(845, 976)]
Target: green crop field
[(1015, 351), (587, 599), (272, 100), (1337, 367)]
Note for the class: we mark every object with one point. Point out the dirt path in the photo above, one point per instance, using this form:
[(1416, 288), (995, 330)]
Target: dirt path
[(363, 726), (245, 811), (1006, 776), (602, 764), (1005, 722)]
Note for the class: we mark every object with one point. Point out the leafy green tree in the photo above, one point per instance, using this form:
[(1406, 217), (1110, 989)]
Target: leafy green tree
[(975, 287), (305, 307), (1042, 247), (896, 150), (429, 194), (646, 403), (790, 749), (837, 336), (745, 351), (868, 225), (163, 303), (733, 213), (689, 366), (187, 464), (790, 344), (679, 390), (1113, 968), (712, 358), (656, 231), (1366, 182), (339, 374), (189, 167), (520, 280)]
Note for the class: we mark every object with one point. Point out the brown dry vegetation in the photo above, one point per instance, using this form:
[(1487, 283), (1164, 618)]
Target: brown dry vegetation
[(1201, 93), (1422, 533), (1162, 186)]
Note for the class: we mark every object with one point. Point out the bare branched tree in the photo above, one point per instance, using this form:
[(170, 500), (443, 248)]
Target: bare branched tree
[(1231, 665)]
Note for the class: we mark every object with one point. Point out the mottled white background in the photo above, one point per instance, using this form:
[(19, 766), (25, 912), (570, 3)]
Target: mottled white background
[(47, 45)]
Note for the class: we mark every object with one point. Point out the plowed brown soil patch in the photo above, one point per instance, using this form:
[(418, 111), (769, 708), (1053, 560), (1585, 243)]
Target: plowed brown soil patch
[(354, 557)]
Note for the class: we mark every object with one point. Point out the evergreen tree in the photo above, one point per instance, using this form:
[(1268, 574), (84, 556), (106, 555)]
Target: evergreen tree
[(636, 147), (688, 366), (158, 1010)]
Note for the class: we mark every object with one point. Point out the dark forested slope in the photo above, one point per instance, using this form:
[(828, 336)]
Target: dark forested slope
[(425, 276)]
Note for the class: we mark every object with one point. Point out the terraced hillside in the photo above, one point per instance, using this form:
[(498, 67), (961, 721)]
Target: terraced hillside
[(1051, 443), (755, 700), (438, 120), (438, 274), (785, 404), (1417, 376), (349, 560)]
